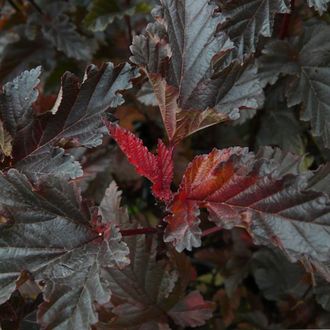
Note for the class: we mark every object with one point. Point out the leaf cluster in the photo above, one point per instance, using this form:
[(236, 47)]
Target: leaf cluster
[(213, 119)]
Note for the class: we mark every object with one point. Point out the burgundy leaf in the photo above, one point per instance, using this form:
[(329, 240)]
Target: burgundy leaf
[(49, 235)]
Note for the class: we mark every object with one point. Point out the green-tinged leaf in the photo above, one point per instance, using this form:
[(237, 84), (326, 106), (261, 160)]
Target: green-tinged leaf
[(245, 21), (104, 12), (308, 61), (50, 236)]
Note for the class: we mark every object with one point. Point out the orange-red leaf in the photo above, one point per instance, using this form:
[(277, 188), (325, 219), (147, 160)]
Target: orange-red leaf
[(156, 168), (262, 193)]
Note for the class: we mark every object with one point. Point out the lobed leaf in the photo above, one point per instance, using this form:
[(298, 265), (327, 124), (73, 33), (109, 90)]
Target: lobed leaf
[(239, 188), (58, 29), (188, 65), (158, 169), (103, 12), (149, 292), (246, 21), (306, 60), (75, 120), (17, 98), (50, 236)]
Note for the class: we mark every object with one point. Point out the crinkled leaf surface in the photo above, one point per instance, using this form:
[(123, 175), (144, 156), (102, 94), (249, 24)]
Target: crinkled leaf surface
[(307, 59), (245, 21), (76, 119), (59, 30), (158, 169), (50, 236), (178, 53), (239, 188), (17, 98), (149, 292)]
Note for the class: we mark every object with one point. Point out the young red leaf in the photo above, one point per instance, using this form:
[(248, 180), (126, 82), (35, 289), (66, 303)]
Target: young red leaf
[(158, 169), (239, 188)]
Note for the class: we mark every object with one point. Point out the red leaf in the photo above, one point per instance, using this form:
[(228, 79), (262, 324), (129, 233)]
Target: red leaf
[(158, 169), (262, 193)]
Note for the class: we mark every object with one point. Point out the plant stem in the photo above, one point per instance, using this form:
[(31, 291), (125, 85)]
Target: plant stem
[(139, 231), (210, 231), (286, 22)]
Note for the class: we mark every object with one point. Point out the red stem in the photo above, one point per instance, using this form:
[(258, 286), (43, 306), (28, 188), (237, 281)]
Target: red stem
[(139, 231), (286, 22), (210, 231)]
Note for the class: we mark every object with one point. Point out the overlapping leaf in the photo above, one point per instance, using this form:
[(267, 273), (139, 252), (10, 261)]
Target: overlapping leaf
[(148, 293), (320, 5), (158, 169), (241, 189), (76, 118), (103, 12), (49, 235), (246, 21), (276, 276), (59, 30), (33, 52), (178, 52), (320, 181), (307, 60), (192, 311), (17, 98)]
